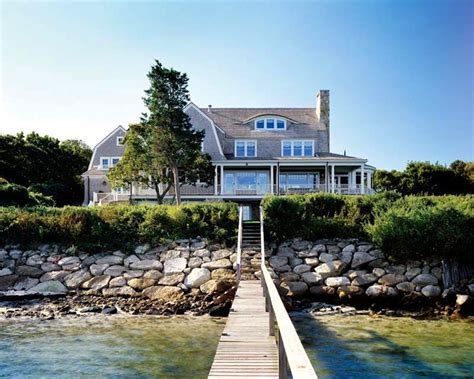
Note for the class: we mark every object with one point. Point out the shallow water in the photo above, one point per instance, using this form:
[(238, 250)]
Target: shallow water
[(109, 347), (366, 347)]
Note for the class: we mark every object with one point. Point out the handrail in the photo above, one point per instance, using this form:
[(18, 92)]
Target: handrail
[(239, 243), (290, 349)]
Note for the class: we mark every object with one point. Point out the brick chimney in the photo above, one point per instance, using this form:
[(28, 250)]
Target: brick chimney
[(322, 107)]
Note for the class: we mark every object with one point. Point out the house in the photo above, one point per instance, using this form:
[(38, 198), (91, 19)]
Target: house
[(255, 152)]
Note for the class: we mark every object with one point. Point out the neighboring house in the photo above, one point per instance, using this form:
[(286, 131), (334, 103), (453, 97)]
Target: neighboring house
[(255, 152)]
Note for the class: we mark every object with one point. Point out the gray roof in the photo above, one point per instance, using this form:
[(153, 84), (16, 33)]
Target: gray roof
[(237, 122)]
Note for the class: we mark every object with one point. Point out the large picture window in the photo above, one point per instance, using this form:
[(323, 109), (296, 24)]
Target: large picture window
[(297, 148), (245, 148)]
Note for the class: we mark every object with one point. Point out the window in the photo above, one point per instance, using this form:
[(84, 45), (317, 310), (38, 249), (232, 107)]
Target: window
[(115, 160), (270, 123), (120, 141), (245, 148), (297, 148), (108, 162), (104, 162)]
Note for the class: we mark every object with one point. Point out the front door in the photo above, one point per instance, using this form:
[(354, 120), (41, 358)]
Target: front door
[(247, 213)]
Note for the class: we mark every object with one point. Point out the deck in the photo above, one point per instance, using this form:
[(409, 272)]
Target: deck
[(246, 350)]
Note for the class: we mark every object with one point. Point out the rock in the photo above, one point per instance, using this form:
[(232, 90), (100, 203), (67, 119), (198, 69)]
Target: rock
[(319, 248), (412, 272), (220, 254), (109, 311), (284, 268), (16, 254), (98, 269), (313, 261), (325, 257), (7, 281), (285, 251), (153, 274), (322, 291), (349, 291), (223, 273), (32, 272), (290, 277), (278, 261), (398, 269), (88, 260), (377, 253), (54, 275), (346, 257), (470, 287), (140, 283), (349, 249), (311, 278), (69, 261), (215, 286), (392, 279), (75, 279), (34, 260), (406, 287), (125, 291), (378, 290), (164, 293), (301, 269), (130, 259), (3, 255), (174, 265), (378, 272), (49, 266), (147, 264), (97, 282), (437, 273), (117, 282), (361, 258), (333, 249), (424, 280), (5, 272), (25, 284), (114, 271), (333, 268), (194, 262), (293, 261), (199, 276), (52, 286), (214, 265), (110, 260), (198, 245), (364, 248), (461, 300), (299, 245), (171, 279), (201, 253), (295, 289), (308, 254), (133, 274), (337, 281), (170, 254), (142, 249), (364, 280), (431, 291)]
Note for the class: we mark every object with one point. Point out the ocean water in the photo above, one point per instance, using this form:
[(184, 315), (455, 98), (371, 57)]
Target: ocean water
[(366, 347), (109, 347)]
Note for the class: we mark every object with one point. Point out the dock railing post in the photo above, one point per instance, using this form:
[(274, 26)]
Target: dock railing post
[(282, 362)]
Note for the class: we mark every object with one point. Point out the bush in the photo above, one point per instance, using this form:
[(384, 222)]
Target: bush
[(117, 227), (19, 196)]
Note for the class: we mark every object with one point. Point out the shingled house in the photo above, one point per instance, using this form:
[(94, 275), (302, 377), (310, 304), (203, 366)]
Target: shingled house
[(255, 152)]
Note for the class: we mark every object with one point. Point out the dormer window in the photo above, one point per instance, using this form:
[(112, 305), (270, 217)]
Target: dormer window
[(270, 123)]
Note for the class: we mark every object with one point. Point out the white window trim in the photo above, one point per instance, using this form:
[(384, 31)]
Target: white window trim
[(275, 120), (111, 160), (120, 143), (102, 166), (245, 141), (292, 144)]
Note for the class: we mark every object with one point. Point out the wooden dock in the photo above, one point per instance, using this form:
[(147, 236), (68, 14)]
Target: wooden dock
[(246, 350)]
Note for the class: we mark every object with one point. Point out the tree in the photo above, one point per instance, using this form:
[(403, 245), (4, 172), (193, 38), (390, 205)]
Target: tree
[(163, 150)]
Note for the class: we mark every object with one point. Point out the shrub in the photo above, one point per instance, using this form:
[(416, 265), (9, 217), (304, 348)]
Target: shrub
[(16, 195)]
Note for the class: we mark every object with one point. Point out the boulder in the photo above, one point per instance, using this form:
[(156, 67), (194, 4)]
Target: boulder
[(170, 254), (406, 287), (437, 272), (110, 260), (117, 282), (194, 262), (147, 264), (220, 263), (171, 279), (333, 268), (295, 289), (215, 286), (142, 249), (5, 272), (164, 293), (293, 261), (423, 280), (396, 269), (349, 291), (34, 260), (98, 269), (311, 278), (97, 282), (322, 291), (223, 273), (7, 281), (431, 291), (25, 284), (199, 276), (124, 291), (68, 261), (326, 257), (133, 274), (16, 254), (153, 274), (114, 271), (364, 279), (130, 259), (52, 286), (289, 277), (278, 261), (174, 265), (220, 254), (285, 251), (378, 290), (319, 248), (201, 253), (301, 269), (346, 257), (364, 248), (392, 279), (349, 249), (312, 261), (361, 258), (33, 272), (412, 272), (140, 283), (49, 266), (333, 249), (299, 245), (379, 272), (54, 275), (75, 279), (337, 281)]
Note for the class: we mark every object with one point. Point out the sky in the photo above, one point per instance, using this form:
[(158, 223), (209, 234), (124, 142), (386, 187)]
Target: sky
[(400, 73)]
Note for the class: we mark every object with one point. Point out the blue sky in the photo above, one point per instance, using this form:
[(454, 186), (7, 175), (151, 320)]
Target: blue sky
[(400, 73)]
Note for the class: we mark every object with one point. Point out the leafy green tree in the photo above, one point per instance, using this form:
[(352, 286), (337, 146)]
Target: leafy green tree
[(164, 150)]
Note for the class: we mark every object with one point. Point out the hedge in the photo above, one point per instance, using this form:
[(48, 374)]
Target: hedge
[(16, 195), (120, 227)]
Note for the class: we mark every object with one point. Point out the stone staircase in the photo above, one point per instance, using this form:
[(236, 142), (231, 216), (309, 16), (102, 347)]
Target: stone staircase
[(250, 250)]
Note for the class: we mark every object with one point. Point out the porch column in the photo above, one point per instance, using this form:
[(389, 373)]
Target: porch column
[(222, 179), (369, 180), (333, 178), (326, 178), (354, 181), (362, 184), (271, 179), (216, 180)]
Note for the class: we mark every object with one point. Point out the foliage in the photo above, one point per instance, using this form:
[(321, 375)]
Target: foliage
[(117, 227), (424, 178), (163, 148), (19, 196), (44, 162)]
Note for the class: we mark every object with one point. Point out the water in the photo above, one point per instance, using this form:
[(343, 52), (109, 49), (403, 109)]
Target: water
[(109, 347), (365, 347)]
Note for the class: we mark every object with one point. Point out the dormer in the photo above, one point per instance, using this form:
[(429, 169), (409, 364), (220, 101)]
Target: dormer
[(270, 123)]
